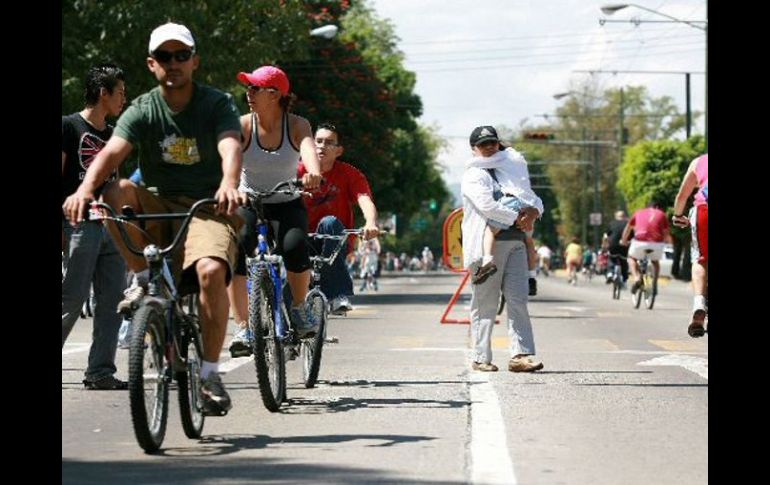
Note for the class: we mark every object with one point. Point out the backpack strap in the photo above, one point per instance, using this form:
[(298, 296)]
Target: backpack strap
[(491, 172)]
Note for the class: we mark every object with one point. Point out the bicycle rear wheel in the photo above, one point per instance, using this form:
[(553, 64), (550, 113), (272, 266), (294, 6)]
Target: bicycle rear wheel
[(189, 379), (312, 348), (268, 348), (650, 289), (617, 285), (147, 380), (636, 298)]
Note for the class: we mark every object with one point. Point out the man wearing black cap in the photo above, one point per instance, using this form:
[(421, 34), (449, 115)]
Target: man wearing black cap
[(483, 176)]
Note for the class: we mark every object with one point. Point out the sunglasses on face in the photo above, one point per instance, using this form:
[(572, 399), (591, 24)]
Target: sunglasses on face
[(255, 89), (165, 57), (321, 142)]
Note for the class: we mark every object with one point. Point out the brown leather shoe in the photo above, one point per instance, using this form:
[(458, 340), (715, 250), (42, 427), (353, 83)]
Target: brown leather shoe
[(484, 367), (484, 272), (696, 328), (523, 363)]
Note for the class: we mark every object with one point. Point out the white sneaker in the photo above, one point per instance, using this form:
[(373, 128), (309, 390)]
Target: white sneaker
[(240, 345), (124, 334), (131, 296), (341, 305)]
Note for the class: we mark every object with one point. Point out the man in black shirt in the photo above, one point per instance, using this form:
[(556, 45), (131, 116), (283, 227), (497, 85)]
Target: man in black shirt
[(612, 238), (87, 248)]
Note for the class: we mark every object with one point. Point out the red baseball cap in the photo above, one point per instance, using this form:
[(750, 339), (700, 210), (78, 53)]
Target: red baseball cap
[(266, 77)]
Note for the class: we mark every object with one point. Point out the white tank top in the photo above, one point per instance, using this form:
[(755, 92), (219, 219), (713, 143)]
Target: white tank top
[(263, 169)]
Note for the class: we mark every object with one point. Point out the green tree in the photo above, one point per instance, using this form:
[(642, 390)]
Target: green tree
[(653, 170)]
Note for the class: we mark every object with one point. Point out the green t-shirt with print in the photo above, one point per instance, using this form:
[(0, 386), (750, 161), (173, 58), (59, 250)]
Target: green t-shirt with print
[(178, 151)]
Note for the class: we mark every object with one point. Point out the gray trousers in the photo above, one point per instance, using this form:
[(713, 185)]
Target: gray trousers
[(93, 258), (511, 276)]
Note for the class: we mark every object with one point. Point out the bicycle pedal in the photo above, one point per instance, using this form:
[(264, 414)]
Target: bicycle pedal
[(332, 340), (213, 410)]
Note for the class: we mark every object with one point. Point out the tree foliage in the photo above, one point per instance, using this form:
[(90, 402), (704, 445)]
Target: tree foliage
[(356, 80)]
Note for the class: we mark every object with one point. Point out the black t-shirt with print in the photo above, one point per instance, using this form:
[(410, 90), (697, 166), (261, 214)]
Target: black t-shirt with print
[(80, 142)]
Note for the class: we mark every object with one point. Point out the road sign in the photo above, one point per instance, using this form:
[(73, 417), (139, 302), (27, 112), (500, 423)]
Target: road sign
[(453, 245), (595, 219)]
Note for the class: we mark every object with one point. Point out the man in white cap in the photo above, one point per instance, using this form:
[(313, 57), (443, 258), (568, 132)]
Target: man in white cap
[(188, 141)]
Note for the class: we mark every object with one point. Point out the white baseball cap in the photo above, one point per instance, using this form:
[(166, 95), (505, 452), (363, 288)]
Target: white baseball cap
[(170, 31)]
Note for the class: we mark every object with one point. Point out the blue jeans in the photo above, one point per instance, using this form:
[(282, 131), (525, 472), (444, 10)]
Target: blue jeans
[(335, 279), (93, 258)]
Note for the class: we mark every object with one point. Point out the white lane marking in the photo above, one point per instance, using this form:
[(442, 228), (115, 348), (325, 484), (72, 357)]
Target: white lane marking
[(649, 352), (74, 348), (571, 308), (233, 364), (698, 365), (430, 349), (490, 458)]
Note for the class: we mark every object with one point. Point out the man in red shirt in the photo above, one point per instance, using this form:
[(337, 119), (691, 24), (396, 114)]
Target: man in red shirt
[(651, 231), (330, 210)]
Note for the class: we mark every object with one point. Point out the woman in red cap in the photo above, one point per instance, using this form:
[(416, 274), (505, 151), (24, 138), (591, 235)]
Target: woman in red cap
[(274, 140)]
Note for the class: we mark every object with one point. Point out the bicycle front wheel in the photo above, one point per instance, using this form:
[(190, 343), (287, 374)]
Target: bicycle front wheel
[(189, 379), (267, 348), (147, 380), (636, 298), (312, 348)]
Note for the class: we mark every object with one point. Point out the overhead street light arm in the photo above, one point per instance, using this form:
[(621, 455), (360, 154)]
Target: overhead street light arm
[(611, 8)]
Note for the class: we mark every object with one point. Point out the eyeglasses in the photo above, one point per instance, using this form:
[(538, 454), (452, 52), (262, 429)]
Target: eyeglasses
[(255, 89), (327, 143), (182, 55)]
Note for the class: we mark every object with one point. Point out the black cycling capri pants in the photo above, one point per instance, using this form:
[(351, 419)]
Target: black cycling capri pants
[(291, 218)]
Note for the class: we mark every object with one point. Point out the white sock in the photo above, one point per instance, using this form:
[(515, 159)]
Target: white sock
[(486, 259), (208, 367), (698, 303), (532, 273)]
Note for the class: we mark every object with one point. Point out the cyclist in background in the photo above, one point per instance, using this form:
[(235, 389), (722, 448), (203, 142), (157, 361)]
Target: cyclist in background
[(572, 256), (612, 239), (696, 177), (651, 231)]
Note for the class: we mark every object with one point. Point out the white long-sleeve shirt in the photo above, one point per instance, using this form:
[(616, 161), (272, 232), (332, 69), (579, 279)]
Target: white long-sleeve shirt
[(479, 205), (512, 175)]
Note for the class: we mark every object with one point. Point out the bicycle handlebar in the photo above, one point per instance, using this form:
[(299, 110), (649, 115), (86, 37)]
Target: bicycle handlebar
[(94, 215)]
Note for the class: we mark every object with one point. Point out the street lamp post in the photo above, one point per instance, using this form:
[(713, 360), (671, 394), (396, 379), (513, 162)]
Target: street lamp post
[(325, 31), (610, 9)]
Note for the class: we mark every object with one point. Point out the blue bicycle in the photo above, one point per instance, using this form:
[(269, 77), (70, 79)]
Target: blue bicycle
[(274, 339)]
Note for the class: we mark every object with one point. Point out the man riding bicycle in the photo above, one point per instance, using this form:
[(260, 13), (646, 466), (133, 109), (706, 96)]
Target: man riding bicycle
[(187, 136), (651, 232)]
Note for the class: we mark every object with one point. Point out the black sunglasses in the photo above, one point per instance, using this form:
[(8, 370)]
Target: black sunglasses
[(182, 55)]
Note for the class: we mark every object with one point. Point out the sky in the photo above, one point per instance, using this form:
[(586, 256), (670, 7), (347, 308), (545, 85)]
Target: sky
[(499, 62)]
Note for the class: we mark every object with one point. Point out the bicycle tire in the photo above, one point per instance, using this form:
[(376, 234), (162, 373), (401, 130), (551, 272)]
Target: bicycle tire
[(147, 341), (636, 298), (189, 379), (312, 348), (651, 289), (268, 352), (501, 305)]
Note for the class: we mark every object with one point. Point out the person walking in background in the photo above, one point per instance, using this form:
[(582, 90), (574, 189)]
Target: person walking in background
[(572, 257), (479, 205), (330, 210), (273, 140), (90, 253), (696, 177), (187, 138)]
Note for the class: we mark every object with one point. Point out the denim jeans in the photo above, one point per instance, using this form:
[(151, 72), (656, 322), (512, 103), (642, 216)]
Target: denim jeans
[(335, 279), (92, 258)]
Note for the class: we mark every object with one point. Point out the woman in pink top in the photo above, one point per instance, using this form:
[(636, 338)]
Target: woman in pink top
[(697, 177)]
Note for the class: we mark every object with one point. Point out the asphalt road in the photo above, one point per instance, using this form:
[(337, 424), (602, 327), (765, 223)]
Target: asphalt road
[(623, 398)]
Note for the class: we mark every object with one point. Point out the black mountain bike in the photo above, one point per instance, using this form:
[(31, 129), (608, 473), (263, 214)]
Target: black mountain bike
[(165, 341)]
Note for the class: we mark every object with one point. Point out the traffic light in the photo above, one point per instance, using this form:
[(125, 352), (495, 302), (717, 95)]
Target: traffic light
[(538, 135), (433, 205)]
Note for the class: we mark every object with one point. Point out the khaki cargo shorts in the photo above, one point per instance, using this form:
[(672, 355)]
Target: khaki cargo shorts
[(208, 236)]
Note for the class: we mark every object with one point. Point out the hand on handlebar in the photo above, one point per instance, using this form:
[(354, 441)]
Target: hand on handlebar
[(228, 200), (75, 207), (680, 221), (311, 181), (370, 231)]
